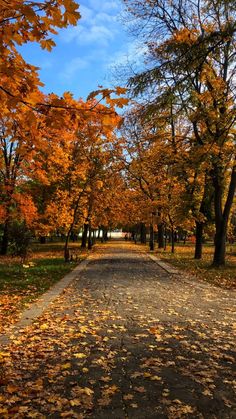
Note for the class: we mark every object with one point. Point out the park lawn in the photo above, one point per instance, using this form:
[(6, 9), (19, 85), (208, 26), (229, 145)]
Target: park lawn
[(183, 258), (20, 285)]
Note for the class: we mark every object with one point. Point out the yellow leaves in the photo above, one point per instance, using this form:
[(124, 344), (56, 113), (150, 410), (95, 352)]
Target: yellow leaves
[(79, 355), (75, 402), (110, 390), (207, 392), (88, 391), (134, 405), (66, 366), (187, 409), (44, 326), (4, 355), (165, 392), (155, 378), (107, 393)]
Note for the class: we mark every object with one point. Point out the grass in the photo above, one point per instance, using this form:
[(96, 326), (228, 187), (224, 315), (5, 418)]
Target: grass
[(183, 258), (21, 284)]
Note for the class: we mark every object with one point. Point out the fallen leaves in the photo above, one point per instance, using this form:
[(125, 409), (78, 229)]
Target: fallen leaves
[(140, 389), (128, 396), (80, 355), (84, 356)]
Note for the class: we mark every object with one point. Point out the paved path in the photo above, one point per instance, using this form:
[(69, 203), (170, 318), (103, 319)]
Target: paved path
[(125, 340)]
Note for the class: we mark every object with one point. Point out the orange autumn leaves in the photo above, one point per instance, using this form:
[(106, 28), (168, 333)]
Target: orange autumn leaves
[(54, 151)]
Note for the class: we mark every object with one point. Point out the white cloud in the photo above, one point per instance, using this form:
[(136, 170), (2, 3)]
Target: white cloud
[(97, 25), (86, 12), (95, 34), (75, 65), (105, 18), (131, 52)]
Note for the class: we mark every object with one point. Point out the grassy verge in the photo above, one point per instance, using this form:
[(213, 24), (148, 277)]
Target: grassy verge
[(21, 284), (183, 258)]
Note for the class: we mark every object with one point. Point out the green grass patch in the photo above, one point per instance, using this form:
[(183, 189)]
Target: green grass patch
[(183, 258), (37, 278), (20, 285)]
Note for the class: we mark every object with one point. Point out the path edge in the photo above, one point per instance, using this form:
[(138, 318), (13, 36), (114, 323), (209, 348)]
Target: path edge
[(168, 268), (42, 303)]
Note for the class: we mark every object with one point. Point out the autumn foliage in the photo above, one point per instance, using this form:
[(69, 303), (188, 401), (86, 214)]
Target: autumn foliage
[(56, 152), (171, 168)]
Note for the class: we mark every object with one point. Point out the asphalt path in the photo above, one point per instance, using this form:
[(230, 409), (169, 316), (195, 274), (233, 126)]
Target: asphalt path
[(125, 340)]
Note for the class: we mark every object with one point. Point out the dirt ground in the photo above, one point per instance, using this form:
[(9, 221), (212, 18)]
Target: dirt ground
[(125, 340)]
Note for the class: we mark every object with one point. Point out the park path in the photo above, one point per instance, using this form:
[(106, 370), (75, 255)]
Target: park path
[(125, 340)]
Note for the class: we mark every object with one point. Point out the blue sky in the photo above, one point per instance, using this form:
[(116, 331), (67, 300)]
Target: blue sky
[(85, 54)]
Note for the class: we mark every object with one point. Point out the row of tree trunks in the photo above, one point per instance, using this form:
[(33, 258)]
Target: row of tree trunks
[(143, 233), (5, 238), (222, 212)]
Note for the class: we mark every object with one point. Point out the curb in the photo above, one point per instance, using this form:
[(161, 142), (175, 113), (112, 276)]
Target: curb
[(37, 308), (169, 269)]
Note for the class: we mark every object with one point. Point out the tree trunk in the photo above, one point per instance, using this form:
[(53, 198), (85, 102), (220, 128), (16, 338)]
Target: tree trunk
[(222, 216), (104, 234), (172, 240), (94, 237), (5, 238), (90, 244), (66, 247), (84, 236), (205, 211), (165, 237), (160, 235), (220, 244), (42, 239), (143, 233), (151, 241), (198, 244)]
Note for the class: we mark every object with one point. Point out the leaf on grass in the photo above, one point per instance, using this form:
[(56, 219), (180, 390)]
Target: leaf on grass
[(110, 390), (136, 374), (140, 389), (128, 396), (104, 401), (207, 392), (105, 379), (156, 378)]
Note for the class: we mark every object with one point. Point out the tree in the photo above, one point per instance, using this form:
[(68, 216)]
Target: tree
[(17, 155), (22, 22), (195, 60)]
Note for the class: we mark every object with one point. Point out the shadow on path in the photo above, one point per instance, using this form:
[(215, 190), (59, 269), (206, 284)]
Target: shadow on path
[(125, 340)]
